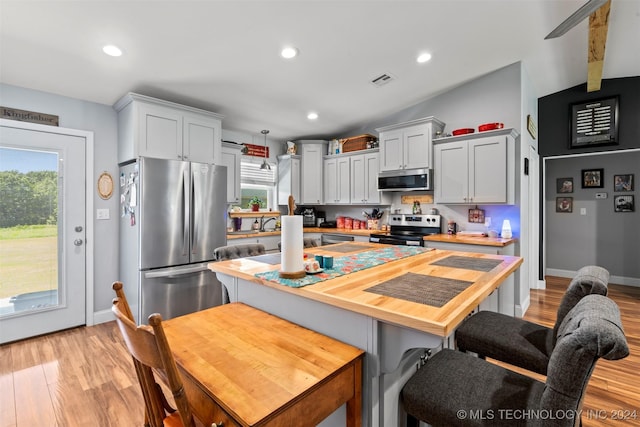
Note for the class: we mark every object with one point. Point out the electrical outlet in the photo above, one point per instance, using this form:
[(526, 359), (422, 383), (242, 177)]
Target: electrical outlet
[(601, 195), (583, 211), (102, 214)]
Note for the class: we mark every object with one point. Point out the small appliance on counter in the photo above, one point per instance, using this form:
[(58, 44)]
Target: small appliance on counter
[(329, 224), (308, 216)]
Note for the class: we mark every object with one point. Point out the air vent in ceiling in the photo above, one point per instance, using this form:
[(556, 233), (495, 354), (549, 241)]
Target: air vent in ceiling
[(382, 79)]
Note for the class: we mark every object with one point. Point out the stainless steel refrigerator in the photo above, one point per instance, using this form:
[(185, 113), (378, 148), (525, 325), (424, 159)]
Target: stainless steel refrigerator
[(172, 217)]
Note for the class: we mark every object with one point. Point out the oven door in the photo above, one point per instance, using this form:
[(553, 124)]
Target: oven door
[(393, 240)]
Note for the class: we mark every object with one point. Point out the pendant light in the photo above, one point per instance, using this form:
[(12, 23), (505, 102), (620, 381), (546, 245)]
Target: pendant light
[(265, 165)]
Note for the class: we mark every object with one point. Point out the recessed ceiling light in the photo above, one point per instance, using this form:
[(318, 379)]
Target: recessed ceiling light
[(312, 116), (112, 50), (423, 57), (289, 52)]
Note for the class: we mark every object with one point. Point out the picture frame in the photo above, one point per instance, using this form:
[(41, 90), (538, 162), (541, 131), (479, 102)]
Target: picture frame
[(623, 203), (594, 122), (564, 204), (592, 178), (564, 185), (623, 182)]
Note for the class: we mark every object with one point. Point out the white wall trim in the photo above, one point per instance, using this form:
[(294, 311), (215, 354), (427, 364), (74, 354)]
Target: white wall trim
[(521, 309), (618, 280), (102, 316), (89, 187)]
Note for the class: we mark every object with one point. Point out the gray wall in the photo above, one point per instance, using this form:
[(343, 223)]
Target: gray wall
[(603, 237), (102, 121), (494, 97)]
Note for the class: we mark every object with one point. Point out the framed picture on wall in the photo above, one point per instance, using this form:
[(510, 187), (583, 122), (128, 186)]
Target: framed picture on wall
[(592, 178), (623, 182), (564, 204), (623, 204), (564, 185)]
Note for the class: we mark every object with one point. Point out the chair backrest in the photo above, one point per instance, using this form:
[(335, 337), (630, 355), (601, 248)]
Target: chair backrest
[(238, 251), (592, 329), (307, 242), (149, 347), (590, 279)]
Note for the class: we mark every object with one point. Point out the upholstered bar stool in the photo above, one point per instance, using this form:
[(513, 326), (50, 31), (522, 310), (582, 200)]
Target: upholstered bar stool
[(458, 389), (519, 342), (244, 250)]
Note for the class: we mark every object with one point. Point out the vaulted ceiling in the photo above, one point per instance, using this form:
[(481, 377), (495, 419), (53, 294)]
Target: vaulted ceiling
[(223, 56)]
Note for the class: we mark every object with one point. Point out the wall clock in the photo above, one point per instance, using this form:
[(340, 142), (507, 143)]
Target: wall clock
[(105, 185)]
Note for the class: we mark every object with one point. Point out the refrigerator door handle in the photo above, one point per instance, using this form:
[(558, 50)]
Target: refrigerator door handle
[(194, 222), (175, 272), (186, 177)]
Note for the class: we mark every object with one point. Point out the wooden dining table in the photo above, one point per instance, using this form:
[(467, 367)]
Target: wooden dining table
[(244, 367)]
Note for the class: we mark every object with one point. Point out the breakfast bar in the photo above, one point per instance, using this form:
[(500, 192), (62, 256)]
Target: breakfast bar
[(386, 300)]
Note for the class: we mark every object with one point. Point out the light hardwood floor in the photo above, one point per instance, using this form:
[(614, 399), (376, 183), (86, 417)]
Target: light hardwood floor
[(84, 376)]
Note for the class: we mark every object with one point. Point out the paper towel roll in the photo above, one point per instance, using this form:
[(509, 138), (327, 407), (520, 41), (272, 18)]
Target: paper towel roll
[(292, 247)]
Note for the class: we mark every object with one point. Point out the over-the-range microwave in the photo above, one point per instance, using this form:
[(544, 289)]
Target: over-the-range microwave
[(405, 180)]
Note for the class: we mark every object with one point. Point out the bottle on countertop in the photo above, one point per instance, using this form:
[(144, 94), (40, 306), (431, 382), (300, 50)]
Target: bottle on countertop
[(255, 225), (416, 207)]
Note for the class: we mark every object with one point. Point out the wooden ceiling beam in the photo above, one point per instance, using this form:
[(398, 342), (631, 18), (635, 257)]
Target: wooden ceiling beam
[(598, 27)]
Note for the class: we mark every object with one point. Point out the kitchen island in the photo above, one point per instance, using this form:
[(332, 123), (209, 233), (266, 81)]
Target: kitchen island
[(386, 326)]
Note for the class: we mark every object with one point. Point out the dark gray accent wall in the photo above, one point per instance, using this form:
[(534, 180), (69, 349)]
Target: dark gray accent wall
[(554, 124)]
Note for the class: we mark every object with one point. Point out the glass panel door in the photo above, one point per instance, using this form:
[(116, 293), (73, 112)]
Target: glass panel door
[(42, 231), (28, 230)]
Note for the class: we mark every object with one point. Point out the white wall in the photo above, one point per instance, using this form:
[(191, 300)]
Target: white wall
[(102, 121)]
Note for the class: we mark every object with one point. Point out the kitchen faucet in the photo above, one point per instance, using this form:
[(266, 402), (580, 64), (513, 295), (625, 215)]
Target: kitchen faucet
[(263, 222)]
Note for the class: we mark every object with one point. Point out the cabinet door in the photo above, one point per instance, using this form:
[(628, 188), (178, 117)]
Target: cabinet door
[(358, 179), (488, 170), (311, 174), (201, 141), (160, 132), (343, 183), (417, 147), (330, 181), (288, 179), (372, 167), (231, 159), (391, 151), (451, 172)]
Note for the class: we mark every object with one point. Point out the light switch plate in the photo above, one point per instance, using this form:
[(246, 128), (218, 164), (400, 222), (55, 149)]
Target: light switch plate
[(102, 214), (583, 211), (601, 195)]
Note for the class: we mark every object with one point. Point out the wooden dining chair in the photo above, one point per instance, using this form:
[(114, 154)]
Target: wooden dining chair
[(150, 350)]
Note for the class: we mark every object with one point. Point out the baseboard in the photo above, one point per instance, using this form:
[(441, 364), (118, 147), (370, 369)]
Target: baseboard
[(102, 316), (618, 280), (521, 309)]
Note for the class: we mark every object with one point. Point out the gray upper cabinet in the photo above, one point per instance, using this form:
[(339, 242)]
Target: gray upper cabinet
[(408, 145), (231, 155), (150, 127), (288, 178), (364, 178), (311, 173), (478, 168)]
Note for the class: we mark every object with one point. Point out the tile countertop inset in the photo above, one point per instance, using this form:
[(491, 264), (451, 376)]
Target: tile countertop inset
[(250, 233), (469, 240)]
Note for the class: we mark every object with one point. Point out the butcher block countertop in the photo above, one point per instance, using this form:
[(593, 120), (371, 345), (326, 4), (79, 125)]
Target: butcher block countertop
[(349, 291), (469, 240)]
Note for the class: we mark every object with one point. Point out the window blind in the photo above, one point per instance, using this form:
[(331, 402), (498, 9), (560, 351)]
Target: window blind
[(250, 173)]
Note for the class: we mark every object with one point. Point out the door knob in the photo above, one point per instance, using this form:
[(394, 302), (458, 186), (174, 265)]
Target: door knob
[(78, 242)]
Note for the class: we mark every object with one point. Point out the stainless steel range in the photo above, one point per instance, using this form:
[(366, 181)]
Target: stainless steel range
[(408, 229)]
